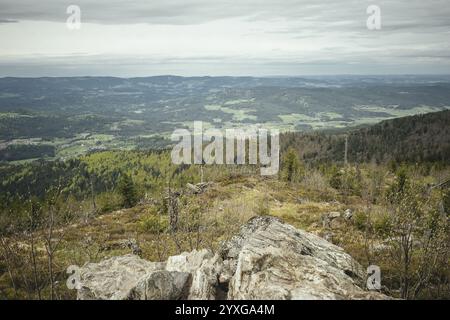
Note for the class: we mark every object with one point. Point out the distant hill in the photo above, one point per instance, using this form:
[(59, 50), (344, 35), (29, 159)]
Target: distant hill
[(81, 114), (409, 139)]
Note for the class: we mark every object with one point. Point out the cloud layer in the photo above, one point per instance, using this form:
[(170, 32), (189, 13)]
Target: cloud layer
[(264, 37)]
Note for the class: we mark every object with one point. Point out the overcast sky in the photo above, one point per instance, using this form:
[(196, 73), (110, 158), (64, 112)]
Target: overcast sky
[(223, 37)]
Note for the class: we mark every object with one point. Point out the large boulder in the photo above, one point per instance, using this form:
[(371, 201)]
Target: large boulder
[(112, 279), (267, 259)]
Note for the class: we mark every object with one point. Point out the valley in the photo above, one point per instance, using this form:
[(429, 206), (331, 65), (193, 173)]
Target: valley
[(65, 117)]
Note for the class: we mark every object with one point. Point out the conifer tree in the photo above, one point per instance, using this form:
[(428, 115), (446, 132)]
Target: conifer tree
[(127, 190)]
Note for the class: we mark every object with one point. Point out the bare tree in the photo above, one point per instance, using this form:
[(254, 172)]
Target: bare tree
[(418, 239), (52, 239), (31, 236), (8, 258)]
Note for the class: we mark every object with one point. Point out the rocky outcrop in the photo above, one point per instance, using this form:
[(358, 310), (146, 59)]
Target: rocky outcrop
[(267, 259), (114, 278)]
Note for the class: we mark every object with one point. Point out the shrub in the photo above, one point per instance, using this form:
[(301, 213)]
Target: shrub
[(154, 224), (108, 201), (314, 180), (263, 208), (418, 238), (360, 220), (446, 200), (335, 178), (382, 225)]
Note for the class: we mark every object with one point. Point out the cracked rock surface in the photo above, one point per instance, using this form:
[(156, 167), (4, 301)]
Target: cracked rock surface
[(267, 259)]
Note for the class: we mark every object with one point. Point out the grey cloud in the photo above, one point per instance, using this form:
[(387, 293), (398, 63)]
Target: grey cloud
[(8, 21), (411, 30), (425, 13), (120, 12)]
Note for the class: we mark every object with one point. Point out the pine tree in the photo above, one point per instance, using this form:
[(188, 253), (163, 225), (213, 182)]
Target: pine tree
[(127, 190), (292, 168)]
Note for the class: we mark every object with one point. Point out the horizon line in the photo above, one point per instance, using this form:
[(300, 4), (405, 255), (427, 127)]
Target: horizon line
[(240, 76)]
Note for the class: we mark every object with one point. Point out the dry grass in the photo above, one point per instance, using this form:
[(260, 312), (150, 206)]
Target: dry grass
[(223, 208)]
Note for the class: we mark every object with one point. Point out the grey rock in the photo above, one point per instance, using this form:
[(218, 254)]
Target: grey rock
[(333, 215), (198, 188), (348, 214), (267, 259), (204, 267), (328, 217), (133, 245), (188, 261), (161, 285), (328, 236), (272, 260), (113, 278)]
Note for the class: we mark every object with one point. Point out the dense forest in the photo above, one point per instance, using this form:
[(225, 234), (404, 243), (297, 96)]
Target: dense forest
[(420, 138), (92, 176), (26, 151)]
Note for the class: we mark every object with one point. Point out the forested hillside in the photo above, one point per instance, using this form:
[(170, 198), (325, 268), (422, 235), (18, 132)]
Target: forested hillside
[(92, 178), (410, 139)]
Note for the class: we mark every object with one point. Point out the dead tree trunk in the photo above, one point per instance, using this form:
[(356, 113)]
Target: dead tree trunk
[(172, 204)]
